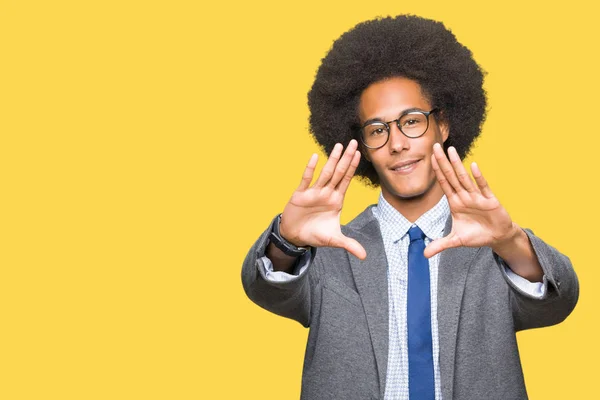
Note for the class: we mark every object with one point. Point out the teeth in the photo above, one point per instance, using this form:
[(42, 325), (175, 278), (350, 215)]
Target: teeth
[(405, 166)]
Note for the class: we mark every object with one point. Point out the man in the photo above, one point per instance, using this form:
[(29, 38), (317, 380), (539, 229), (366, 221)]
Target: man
[(419, 296)]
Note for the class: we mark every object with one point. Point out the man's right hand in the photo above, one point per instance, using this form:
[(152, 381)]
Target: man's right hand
[(312, 216)]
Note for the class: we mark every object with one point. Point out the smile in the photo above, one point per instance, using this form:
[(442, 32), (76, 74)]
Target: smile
[(406, 168)]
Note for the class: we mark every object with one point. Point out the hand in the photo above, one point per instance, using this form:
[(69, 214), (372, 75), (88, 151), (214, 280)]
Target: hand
[(478, 218), (312, 216)]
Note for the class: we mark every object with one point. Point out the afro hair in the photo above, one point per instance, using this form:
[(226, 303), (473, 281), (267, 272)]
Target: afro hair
[(405, 46)]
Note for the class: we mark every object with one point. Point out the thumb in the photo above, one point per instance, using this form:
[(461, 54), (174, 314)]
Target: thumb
[(351, 245), (439, 245)]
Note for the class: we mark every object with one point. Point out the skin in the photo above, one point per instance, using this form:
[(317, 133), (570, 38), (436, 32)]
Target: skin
[(414, 193), (312, 216)]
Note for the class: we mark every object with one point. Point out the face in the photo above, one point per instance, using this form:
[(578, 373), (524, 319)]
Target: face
[(403, 164)]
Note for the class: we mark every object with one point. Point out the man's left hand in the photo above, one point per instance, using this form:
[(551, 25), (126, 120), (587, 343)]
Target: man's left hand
[(478, 218)]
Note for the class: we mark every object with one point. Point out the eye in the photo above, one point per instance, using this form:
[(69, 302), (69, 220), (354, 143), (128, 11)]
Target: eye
[(378, 131), (375, 130), (413, 120)]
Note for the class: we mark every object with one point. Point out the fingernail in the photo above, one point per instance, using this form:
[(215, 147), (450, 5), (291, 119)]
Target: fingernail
[(453, 154)]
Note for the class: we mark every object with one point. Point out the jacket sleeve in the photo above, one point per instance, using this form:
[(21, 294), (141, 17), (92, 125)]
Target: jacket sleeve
[(290, 298), (561, 289)]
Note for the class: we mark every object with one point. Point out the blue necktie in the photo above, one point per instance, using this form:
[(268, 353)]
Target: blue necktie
[(420, 354)]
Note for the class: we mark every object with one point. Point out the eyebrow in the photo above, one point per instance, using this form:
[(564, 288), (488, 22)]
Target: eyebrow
[(404, 112)]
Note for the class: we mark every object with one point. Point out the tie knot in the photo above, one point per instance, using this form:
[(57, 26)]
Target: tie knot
[(415, 233)]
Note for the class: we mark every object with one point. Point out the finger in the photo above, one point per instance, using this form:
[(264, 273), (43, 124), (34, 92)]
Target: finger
[(481, 182), (351, 245), (440, 245), (461, 172), (343, 164), (343, 186), (446, 187), (446, 168), (355, 248), (329, 167), (308, 172)]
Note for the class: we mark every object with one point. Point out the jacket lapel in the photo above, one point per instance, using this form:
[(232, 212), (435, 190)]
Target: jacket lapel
[(370, 277), (452, 275)]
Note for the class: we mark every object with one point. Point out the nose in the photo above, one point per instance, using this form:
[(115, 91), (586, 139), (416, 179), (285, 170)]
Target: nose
[(398, 141)]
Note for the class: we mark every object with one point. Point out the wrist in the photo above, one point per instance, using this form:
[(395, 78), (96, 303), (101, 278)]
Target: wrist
[(280, 229), (517, 252), (515, 239), (509, 240), (288, 248)]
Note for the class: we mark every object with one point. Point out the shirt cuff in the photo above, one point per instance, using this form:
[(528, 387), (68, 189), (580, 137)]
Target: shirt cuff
[(534, 289), (280, 276)]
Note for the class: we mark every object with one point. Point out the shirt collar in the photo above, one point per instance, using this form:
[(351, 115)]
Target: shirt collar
[(432, 222)]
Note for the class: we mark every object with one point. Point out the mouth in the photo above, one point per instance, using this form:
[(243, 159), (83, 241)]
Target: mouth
[(405, 167)]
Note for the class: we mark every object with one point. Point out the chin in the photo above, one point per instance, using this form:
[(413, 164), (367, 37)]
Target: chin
[(411, 193)]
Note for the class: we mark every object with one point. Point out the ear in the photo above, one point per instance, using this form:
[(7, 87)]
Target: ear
[(364, 153), (444, 130)]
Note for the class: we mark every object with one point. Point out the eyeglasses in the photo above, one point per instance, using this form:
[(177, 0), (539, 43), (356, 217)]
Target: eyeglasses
[(412, 124)]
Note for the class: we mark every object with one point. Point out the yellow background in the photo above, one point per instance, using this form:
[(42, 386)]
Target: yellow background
[(146, 144)]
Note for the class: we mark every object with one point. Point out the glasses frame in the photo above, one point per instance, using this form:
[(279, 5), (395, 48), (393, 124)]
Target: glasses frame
[(397, 121)]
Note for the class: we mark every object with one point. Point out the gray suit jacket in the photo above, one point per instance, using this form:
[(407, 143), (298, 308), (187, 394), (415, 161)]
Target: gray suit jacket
[(344, 301)]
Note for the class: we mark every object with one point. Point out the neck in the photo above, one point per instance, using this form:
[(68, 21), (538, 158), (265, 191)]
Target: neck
[(413, 207)]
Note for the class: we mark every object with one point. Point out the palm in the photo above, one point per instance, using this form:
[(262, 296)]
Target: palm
[(312, 216), (478, 224), (478, 218), (318, 214)]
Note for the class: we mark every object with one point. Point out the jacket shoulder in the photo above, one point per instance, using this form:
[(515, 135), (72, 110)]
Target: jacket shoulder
[(361, 220)]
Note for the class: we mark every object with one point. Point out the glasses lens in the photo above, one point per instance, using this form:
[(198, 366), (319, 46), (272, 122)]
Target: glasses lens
[(413, 124), (375, 134)]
